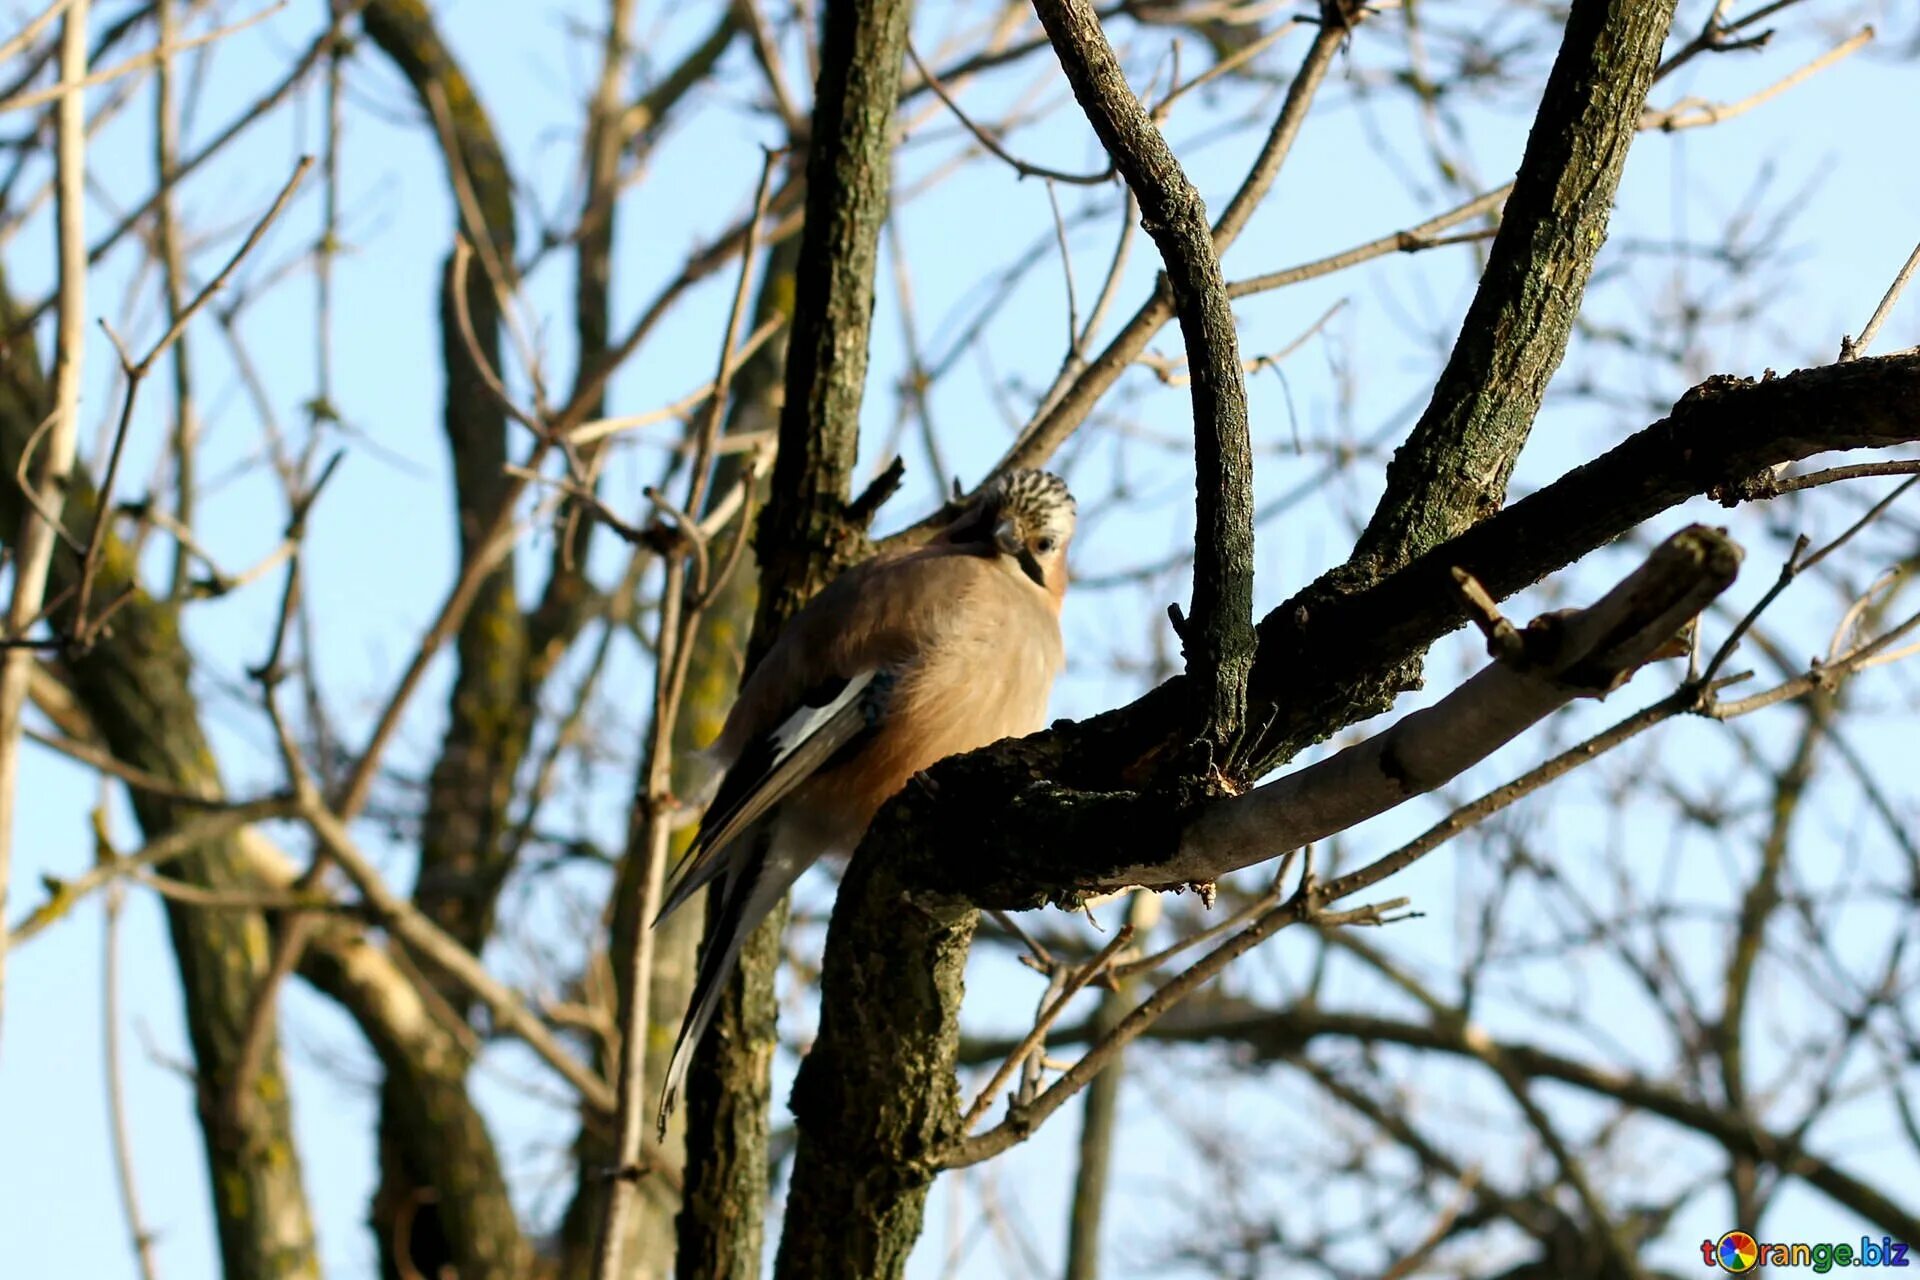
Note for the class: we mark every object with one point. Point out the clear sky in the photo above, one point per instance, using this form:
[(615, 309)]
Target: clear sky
[(1831, 160)]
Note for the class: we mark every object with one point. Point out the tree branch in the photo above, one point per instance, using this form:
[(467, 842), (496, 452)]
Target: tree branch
[(33, 542), (876, 1085), (1064, 412), (1217, 637), (464, 853), (1563, 656), (803, 537), (1030, 820), (1287, 1032), (1453, 469)]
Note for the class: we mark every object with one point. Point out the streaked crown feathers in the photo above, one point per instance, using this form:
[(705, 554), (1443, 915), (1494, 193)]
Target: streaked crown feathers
[(1038, 499)]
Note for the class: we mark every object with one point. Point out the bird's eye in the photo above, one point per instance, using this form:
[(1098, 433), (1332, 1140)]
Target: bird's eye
[(1043, 545)]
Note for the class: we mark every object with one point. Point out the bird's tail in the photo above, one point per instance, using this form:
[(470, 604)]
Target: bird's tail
[(746, 898)]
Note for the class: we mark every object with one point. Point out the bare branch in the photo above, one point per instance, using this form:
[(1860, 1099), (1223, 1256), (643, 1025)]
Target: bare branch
[(1566, 656), (1854, 348), (993, 145), (1218, 635), (1692, 114), (70, 88), (33, 544), (136, 373)]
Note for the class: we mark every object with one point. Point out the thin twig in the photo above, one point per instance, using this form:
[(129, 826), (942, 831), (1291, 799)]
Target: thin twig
[(133, 776), (679, 618), (401, 917), (498, 269), (167, 249), (1858, 471), (135, 373), (223, 821), (993, 144), (68, 89), (29, 33), (290, 946), (1719, 36), (1080, 978), (1693, 114), (1414, 239), (117, 1128), (1163, 368), (1853, 349), (1066, 267), (1303, 905), (600, 428), (1442, 1227)]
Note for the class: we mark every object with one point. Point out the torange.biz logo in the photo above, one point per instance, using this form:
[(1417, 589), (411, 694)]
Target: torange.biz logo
[(1737, 1251)]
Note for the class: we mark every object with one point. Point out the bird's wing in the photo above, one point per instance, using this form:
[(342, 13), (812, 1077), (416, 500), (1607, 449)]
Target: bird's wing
[(832, 715), (754, 880), (818, 698)]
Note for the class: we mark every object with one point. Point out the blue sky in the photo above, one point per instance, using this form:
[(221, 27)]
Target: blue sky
[(383, 537)]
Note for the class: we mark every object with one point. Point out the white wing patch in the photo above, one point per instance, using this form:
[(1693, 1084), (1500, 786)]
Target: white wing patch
[(767, 769)]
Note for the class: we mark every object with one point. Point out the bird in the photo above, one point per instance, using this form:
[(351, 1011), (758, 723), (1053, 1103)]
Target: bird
[(901, 661)]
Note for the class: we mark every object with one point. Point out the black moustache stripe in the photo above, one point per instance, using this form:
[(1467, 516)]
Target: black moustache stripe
[(1031, 568)]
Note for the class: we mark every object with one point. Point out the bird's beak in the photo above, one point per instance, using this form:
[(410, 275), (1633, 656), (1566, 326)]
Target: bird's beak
[(1006, 536)]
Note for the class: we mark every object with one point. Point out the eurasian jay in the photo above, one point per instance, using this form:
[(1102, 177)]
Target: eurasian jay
[(898, 663)]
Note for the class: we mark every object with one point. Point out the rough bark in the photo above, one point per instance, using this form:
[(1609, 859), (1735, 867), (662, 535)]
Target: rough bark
[(1217, 635), (877, 1095), (806, 533), (713, 675), (136, 684), (1453, 469)]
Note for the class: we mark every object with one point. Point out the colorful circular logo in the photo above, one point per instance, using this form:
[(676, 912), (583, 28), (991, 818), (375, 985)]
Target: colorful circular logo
[(1737, 1251)]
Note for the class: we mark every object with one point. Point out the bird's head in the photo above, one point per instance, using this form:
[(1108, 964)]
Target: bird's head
[(1027, 516)]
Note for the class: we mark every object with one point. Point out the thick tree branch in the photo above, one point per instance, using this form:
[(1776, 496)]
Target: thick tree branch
[(1026, 821), (1453, 469), (1722, 439), (876, 1086), (1218, 634), (464, 858), (877, 1095), (1560, 657), (804, 536)]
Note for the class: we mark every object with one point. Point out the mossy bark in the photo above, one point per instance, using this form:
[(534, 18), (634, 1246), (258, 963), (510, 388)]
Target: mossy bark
[(442, 1200), (804, 536), (713, 676), (877, 1095), (136, 685)]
